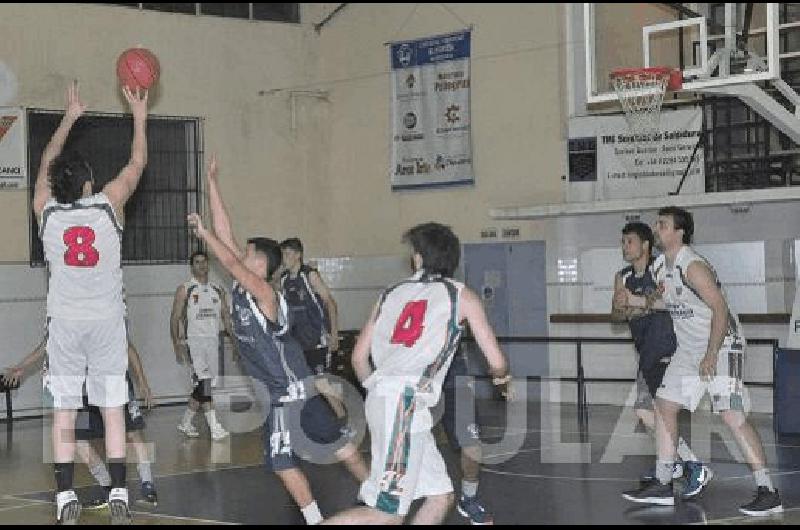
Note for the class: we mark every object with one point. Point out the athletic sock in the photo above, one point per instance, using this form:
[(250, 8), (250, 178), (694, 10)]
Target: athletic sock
[(117, 470), (145, 473), (64, 475), (762, 479), (211, 418), (100, 474), (312, 514), (188, 416), (469, 488), (664, 471), (685, 452)]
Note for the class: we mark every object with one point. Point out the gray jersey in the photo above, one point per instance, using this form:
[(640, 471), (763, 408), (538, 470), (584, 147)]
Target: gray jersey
[(82, 246)]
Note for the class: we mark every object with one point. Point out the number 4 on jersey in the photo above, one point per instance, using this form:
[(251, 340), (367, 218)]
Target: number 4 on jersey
[(409, 326)]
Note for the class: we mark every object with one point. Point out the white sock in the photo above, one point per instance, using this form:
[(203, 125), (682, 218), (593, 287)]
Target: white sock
[(211, 418), (469, 488), (188, 416), (685, 452), (664, 471), (100, 474), (311, 514), (762, 479), (145, 473)]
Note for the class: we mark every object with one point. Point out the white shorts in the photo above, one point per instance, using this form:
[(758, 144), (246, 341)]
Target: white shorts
[(682, 383), (90, 351), (204, 355), (406, 463)]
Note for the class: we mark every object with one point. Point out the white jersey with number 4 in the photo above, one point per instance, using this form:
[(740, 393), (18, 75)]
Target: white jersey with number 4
[(82, 246), (416, 333)]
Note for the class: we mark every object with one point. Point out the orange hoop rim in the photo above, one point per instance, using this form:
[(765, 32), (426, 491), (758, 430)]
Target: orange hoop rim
[(673, 75)]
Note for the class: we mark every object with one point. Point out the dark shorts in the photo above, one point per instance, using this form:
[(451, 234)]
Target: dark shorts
[(460, 416), (320, 360), (284, 447), (654, 375), (89, 421), (202, 392)]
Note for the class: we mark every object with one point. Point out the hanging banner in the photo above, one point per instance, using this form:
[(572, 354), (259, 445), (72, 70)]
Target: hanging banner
[(431, 117), (622, 166), (13, 159)]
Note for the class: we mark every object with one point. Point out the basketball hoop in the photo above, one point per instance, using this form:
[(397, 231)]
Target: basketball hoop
[(641, 93)]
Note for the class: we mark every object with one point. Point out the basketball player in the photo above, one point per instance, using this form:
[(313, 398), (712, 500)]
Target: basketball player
[(655, 342), (270, 355), (411, 336), (709, 358), (194, 325), (311, 304), (81, 233), (313, 314), (463, 434), (89, 425)]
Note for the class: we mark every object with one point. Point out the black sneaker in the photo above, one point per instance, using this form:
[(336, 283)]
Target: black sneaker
[(652, 493), (472, 509), (100, 502), (766, 503)]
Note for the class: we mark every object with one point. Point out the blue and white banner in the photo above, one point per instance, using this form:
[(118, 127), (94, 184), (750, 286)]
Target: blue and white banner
[(431, 118)]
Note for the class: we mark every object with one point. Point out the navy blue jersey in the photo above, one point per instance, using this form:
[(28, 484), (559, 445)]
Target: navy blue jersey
[(652, 333), (309, 322), (268, 352)]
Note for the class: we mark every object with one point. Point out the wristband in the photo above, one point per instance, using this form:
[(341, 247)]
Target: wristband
[(497, 381)]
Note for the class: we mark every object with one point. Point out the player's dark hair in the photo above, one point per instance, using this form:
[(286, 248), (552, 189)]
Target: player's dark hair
[(292, 243), (195, 254), (644, 232), (681, 220), (438, 246), (68, 172), (271, 250)]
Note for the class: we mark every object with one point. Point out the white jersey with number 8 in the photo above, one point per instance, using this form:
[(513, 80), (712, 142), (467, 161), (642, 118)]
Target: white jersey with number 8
[(82, 246)]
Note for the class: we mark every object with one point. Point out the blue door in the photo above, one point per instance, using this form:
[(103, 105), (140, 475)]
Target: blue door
[(510, 279)]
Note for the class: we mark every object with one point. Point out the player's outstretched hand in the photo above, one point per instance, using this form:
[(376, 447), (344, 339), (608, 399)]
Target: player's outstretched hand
[(196, 224)]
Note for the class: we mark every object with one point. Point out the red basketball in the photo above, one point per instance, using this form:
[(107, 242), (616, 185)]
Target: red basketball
[(137, 67)]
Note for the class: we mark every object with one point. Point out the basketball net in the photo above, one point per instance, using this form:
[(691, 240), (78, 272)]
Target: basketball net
[(641, 93)]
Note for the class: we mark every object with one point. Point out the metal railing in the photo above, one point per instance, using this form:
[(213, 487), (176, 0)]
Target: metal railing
[(580, 376)]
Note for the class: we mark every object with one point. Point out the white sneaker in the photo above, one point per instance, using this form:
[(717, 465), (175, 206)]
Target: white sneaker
[(118, 506), (218, 433), (68, 509), (188, 430)]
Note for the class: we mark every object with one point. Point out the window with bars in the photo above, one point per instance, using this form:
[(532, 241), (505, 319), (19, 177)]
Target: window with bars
[(249, 11), (156, 230)]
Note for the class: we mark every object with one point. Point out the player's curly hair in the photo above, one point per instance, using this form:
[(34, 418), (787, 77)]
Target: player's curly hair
[(68, 172), (644, 232)]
